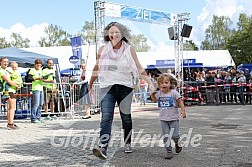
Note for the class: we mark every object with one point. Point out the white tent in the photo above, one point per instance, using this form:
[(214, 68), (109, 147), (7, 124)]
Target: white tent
[(210, 58)]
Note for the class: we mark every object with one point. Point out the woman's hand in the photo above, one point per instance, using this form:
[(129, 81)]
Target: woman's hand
[(152, 88), (91, 90)]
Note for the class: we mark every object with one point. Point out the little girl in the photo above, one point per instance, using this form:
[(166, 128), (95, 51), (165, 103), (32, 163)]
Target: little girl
[(169, 100)]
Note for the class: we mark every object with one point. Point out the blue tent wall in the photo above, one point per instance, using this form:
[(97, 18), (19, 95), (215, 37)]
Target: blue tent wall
[(191, 65), (245, 66)]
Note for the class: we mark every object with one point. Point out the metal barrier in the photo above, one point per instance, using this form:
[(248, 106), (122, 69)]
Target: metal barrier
[(95, 106), (200, 93), (23, 103), (65, 100), (68, 97)]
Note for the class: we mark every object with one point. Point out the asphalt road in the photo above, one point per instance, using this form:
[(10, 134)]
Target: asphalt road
[(213, 136)]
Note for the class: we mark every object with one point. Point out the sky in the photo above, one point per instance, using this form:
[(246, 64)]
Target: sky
[(30, 17)]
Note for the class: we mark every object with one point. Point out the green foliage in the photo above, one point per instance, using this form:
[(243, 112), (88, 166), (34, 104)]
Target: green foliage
[(190, 45), (239, 44), (139, 43), (217, 34), (88, 33), (18, 41), (55, 36), (4, 43)]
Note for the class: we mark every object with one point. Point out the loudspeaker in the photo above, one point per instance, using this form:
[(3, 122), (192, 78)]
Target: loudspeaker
[(186, 31), (171, 33)]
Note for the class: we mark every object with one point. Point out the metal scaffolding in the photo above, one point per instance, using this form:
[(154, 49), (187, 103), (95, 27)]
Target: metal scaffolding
[(181, 19), (99, 11)]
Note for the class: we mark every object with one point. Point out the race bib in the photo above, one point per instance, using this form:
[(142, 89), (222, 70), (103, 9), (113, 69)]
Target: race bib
[(165, 102)]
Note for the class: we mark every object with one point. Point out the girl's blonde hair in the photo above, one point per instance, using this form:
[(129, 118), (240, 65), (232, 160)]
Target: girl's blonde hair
[(14, 62), (169, 77)]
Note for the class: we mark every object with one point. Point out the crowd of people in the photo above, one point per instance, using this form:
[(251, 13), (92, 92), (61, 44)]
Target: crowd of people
[(42, 87), (41, 81), (231, 85)]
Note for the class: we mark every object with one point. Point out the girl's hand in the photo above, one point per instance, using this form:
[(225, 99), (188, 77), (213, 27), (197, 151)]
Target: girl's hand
[(183, 114)]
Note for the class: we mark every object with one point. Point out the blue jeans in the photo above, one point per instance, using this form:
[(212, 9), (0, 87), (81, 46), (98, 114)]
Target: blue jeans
[(38, 101), (110, 95), (240, 95)]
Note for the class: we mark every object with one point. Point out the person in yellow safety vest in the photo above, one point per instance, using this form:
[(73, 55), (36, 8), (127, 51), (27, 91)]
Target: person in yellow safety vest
[(37, 91), (5, 78), (50, 88), (15, 77)]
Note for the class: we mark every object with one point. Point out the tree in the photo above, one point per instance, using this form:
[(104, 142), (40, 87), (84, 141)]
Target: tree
[(190, 45), (139, 43), (55, 36), (243, 22), (239, 44), (217, 33), (18, 41), (88, 33), (4, 43)]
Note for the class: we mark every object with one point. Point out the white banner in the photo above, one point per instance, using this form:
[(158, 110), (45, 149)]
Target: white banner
[(112, 10), (137, 14)]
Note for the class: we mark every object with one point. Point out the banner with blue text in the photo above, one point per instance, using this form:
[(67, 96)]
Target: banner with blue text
[(138, 14), (76, 48)]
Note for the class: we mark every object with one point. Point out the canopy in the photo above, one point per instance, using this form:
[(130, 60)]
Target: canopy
[(24, 58)]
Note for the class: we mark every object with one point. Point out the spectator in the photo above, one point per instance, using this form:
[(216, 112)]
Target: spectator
[(5, 78), (246, 88), (37, 92), (49, 89), (227, 82), (85, 97), (241, 80), (233, 86)]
